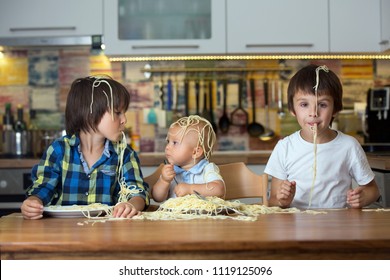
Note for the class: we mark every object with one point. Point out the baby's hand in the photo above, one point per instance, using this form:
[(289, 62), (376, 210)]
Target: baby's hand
[(286, 193), (182, 189), (168, 173)]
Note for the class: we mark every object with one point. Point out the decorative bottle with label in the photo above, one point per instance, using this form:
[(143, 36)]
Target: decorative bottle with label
[(20, 129)]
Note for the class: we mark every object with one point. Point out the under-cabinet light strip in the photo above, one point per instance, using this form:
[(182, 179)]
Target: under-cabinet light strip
[(250, 57)]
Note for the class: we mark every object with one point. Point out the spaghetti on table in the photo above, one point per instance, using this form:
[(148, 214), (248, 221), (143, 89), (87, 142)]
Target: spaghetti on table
[(190, 207)]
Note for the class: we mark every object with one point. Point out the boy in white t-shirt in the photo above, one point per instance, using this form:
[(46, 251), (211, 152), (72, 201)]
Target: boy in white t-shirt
[(314, 167)]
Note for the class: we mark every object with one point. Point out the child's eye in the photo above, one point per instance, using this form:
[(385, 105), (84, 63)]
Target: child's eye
[(172, 142), (303, 104), (323, 105)]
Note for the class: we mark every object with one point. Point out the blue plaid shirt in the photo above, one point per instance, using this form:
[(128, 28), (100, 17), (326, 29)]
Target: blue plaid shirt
[(62, 177)]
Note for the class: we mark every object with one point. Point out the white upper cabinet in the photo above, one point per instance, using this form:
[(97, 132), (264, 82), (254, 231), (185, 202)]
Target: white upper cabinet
[(355, 25), (277, 26), (385, 25), (143, 27), (46, 18)]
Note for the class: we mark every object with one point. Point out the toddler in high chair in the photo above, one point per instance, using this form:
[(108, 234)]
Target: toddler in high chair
[(190, 142)]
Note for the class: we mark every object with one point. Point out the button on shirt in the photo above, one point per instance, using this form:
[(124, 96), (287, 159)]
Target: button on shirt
[(62, 176)]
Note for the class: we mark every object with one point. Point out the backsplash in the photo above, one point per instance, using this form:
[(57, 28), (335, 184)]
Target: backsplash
[(40, 81)]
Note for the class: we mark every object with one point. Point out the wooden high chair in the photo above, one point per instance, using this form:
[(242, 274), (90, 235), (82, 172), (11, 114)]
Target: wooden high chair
[(241, 182)]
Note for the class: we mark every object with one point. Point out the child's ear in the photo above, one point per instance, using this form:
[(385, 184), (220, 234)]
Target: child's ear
[(197, 152)]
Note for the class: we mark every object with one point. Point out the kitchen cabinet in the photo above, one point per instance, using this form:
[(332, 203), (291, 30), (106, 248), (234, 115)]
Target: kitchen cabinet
[(385, 25), (277, 26), (45, 18), (355, 25), (147, 27)]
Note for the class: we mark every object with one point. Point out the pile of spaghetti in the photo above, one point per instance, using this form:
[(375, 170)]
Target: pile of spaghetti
[(190, 207)]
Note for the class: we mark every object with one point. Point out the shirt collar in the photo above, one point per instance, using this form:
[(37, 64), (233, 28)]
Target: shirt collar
[(196, 169), (108, 146)]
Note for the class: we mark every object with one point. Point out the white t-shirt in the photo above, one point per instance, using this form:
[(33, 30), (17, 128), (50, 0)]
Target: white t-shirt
[(201, 173), (338, 162)]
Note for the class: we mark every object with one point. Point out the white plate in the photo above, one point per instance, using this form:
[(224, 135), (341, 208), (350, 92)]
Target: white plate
[(71, 211)]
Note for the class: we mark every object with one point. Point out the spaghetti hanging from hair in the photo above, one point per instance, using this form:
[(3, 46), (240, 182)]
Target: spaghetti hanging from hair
[(314, 129), (96, 83)]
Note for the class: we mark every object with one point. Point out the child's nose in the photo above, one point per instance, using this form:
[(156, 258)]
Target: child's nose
[(313, 111), (124, 119)]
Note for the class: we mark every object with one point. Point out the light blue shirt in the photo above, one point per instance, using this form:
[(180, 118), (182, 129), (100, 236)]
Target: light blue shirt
[(201, 173)]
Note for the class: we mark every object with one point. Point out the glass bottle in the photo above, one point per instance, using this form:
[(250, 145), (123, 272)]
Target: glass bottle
[(20, 133), (20, 124), (35, 134), (8, 121)]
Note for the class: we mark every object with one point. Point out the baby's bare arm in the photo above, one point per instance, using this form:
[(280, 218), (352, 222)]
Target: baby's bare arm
[(160, 189)]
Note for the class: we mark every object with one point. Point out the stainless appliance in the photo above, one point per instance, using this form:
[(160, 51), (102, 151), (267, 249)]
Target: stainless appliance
[(13, 185), (382, 175), (382, 179), (16, 144), (378, 115)]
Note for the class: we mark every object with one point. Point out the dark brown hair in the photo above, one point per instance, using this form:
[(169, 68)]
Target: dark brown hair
[(78, 114), (305, 80)]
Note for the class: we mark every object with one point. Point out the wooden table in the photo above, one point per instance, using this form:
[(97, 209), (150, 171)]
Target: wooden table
[(339, 234)]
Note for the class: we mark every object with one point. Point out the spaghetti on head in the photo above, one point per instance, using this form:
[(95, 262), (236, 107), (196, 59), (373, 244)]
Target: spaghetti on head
[(204, 134), (93, 96)]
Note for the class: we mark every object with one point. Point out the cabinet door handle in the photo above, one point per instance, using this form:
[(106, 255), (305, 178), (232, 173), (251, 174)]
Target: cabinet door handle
[(165, 47), (278, 45), (23, 29)]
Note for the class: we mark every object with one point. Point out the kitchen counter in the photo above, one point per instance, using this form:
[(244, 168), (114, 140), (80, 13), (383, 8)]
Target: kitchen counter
[(155, 159), (252, 157), (338, 234), (377, 161)]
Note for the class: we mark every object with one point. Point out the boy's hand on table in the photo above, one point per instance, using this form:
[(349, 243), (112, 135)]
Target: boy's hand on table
[(32, 208), (286, 193)]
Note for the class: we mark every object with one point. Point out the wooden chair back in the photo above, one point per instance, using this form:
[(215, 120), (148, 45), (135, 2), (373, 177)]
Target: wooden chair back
[(241, 182)]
